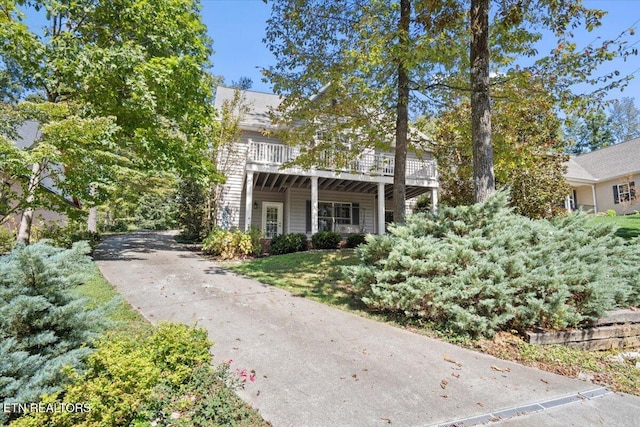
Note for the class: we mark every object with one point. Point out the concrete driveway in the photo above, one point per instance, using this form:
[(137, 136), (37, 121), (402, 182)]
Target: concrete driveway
[(320, 366)]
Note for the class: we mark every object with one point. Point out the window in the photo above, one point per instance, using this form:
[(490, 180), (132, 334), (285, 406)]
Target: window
[(331, 214), (624, 192)]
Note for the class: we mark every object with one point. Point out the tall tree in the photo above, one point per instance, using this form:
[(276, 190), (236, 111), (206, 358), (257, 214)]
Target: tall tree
[(625, 119), (359, 47), (588, 132), (357, 69), (139, 65), (483, 177)]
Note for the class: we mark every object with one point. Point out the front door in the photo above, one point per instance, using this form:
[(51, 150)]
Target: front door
[(271, 219)]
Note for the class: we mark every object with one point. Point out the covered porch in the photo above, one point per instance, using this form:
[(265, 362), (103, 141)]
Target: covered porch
[(297, 201)]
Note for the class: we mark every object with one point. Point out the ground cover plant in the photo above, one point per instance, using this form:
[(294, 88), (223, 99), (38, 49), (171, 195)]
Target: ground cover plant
[(481, 269)]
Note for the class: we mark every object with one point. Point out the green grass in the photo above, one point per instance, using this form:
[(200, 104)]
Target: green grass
[(628, 226), (315, 274), (98, 291)]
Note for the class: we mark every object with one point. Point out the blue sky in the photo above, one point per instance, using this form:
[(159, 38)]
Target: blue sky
[(237, 28)]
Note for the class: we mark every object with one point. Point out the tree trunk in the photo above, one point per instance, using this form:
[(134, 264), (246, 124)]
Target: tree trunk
[(24, 232), (483, 178), (402, 120)]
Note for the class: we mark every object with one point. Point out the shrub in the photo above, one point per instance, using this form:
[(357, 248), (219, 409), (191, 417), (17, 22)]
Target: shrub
[(288, 243), (138, 380), (326, 240), (190, 199), (231, 244), (7, 240), (156, 212), (355, 240), (480, 269), (611, 212), (66, 236), (44, 326)]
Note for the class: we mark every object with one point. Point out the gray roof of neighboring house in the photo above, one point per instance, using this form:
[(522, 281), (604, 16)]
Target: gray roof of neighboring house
[(259, 105), (606, 163)]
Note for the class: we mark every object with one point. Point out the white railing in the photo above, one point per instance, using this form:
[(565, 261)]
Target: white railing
[(268, 153)]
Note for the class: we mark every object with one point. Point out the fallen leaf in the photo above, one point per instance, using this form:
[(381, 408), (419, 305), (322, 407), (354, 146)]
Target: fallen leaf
[(455, 375), (544, 381), (450, 360), (444, 383), (446, 396), (495, 368), (388, 420)]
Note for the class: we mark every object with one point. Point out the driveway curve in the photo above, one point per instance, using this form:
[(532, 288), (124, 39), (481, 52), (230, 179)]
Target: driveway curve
[(319, 366)]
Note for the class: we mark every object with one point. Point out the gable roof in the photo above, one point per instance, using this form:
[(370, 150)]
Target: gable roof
[(256, 116), (606, 163)]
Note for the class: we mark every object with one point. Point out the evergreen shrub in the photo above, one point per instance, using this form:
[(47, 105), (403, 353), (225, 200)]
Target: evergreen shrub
[(480, 269), (227, 244), (44, 325), (288, 243), (355, 240), (326, 240)]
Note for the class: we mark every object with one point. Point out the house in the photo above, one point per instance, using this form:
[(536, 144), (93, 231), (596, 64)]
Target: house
[(28, 134), (605, 179), (260, 191)]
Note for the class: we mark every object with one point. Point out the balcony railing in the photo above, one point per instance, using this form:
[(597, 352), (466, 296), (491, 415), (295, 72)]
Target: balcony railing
[(267, 153)]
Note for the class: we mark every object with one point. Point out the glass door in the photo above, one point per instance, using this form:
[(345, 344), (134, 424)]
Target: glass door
[(271, 219)]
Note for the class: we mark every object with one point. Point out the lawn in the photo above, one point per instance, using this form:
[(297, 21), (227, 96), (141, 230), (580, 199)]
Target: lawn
[(316, 275), (628, 225)]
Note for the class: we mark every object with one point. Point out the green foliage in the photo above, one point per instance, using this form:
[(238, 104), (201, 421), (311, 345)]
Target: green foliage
[(355, 240), (44, 325), (481, 269), (156, 212), (611, 212), (228, 244), (326, 240), (66, 236), (206, 399), (107, 75), (122, 374), (190, 199), (288, 243), (7, 240)]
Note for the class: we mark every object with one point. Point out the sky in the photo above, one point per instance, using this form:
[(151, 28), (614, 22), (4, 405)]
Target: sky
[(237, 28)]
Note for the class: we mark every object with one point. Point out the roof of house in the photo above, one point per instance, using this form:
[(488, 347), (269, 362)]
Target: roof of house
[(606, 163), (259, 105)]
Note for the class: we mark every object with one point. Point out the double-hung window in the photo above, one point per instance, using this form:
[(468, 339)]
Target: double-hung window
[(624, 192)]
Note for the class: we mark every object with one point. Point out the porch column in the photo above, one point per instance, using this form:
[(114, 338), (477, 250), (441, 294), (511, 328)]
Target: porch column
[(248, 203), (434, 201), (314, 204), (381, 208), (567, 203), (595, 202), (287, 211)]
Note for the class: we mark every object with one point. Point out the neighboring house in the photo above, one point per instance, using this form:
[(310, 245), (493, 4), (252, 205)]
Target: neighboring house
[(260, 192), (28, 134), (605, 179)]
